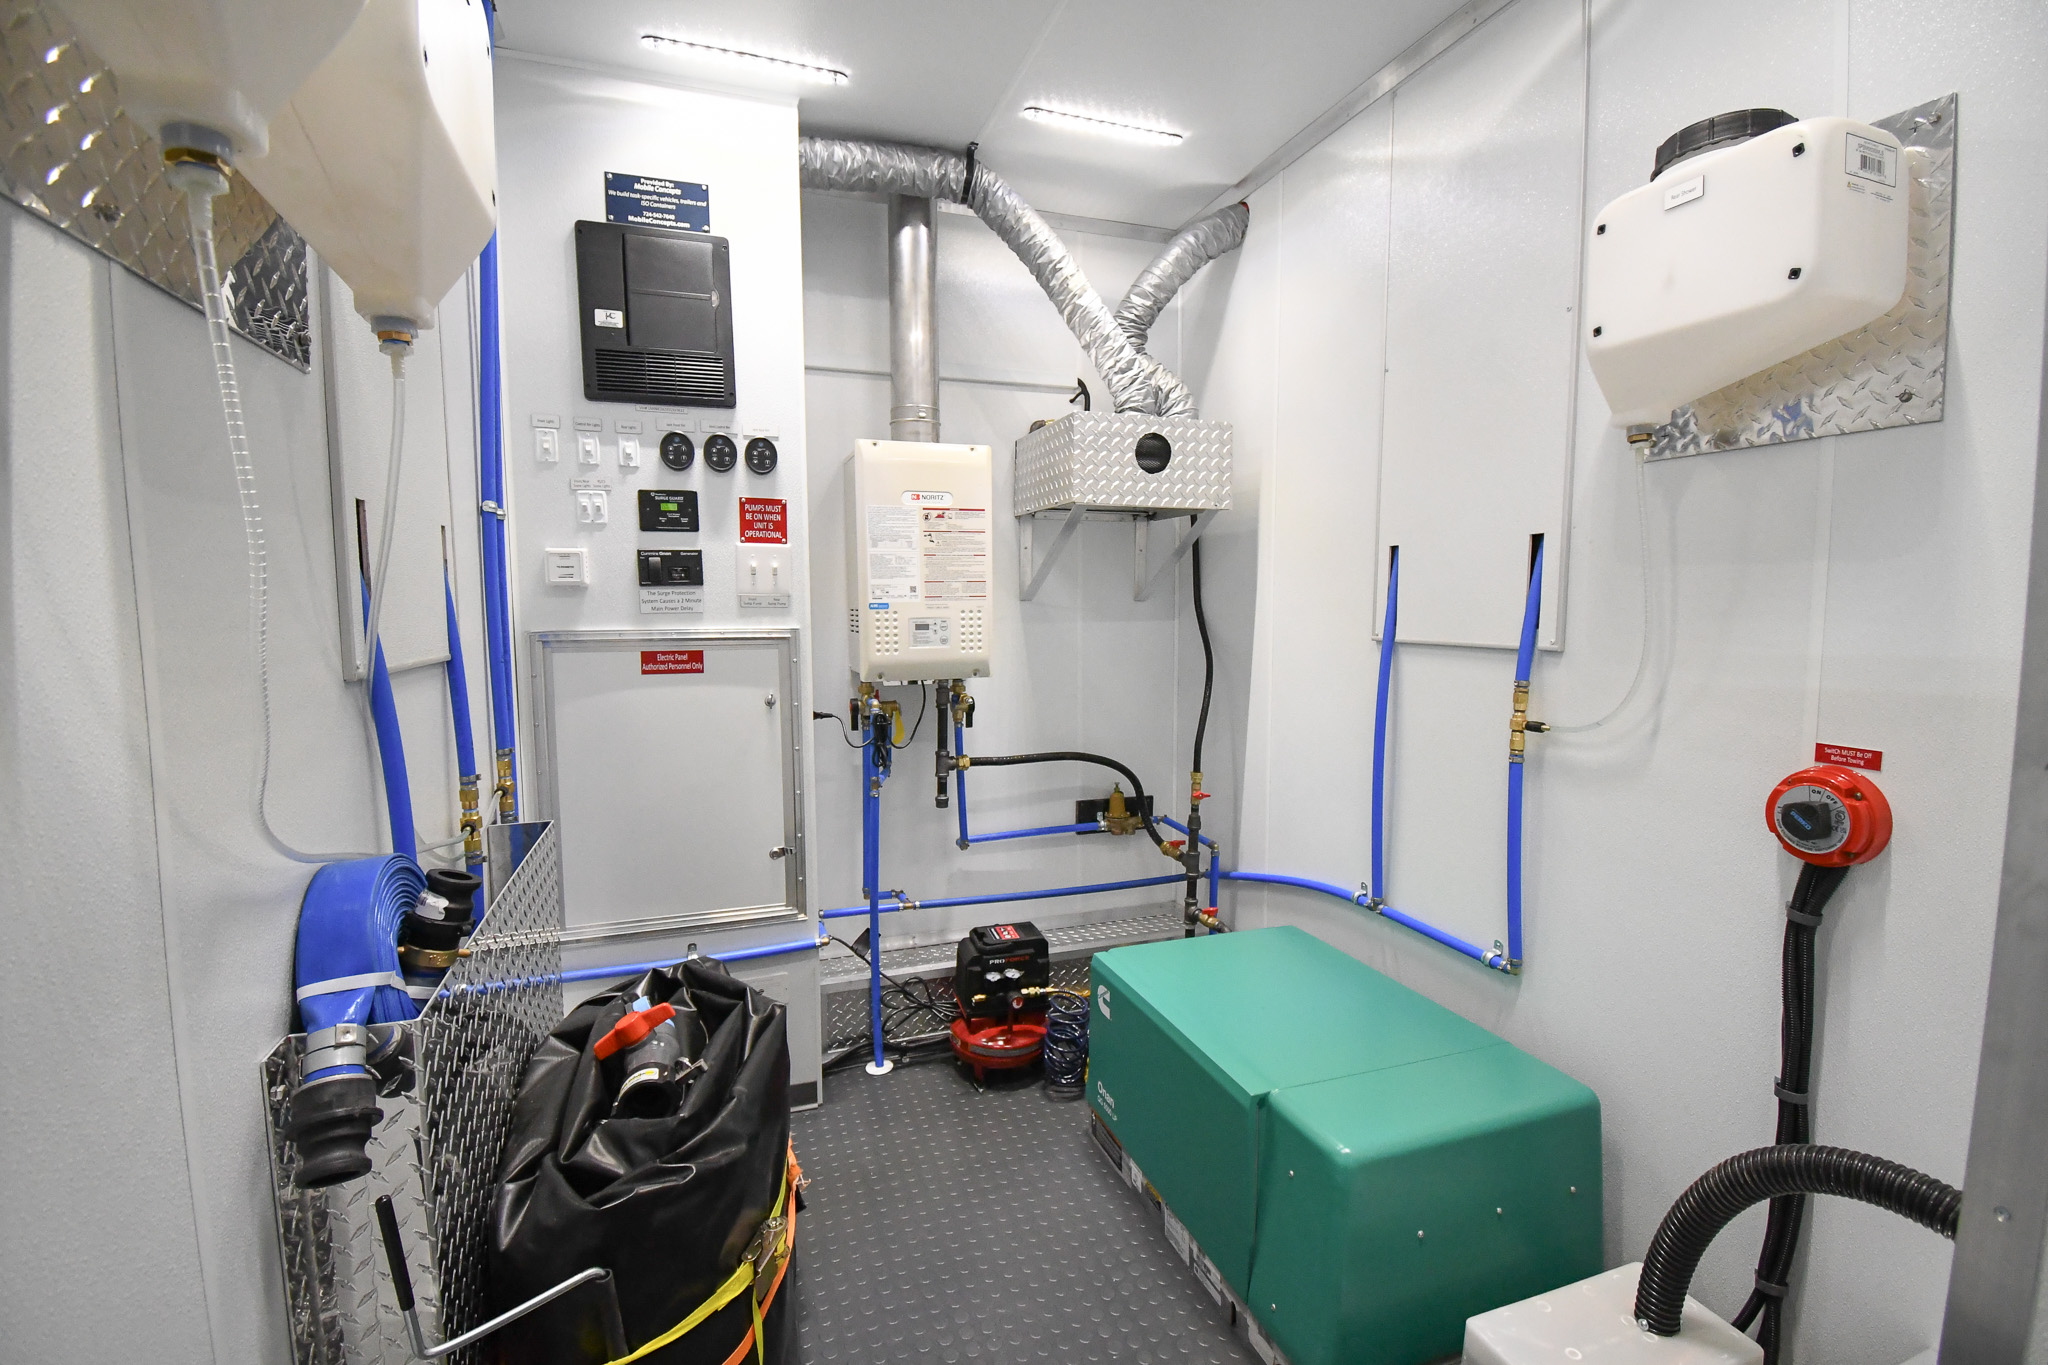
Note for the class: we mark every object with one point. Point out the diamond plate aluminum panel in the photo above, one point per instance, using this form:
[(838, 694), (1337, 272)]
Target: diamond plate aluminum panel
[(436, 1150), (1891, 373), (74, 159), (1087, 459)]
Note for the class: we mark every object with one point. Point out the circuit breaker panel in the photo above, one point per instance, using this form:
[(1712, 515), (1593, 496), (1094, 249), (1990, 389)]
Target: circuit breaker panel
[(919, 535)]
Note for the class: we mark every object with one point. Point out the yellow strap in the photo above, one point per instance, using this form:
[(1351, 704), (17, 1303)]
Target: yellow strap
[(735, 1284)]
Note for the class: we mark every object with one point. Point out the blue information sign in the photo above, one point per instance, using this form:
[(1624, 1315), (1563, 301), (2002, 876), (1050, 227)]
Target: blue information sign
[(655, 202)]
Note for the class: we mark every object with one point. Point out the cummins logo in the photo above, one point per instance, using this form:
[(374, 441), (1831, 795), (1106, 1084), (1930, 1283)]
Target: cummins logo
[(1102, 1000)]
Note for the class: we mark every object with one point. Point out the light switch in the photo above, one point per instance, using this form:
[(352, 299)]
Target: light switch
[(568, 568), (629, 452), (547, 445), (586, 448), (761, 577), (593, 506)]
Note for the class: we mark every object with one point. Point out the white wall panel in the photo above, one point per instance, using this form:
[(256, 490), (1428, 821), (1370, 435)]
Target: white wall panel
[(1482, 276)]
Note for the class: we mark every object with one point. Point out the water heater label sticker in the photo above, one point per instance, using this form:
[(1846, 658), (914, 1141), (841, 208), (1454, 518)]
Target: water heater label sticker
[(666, 601), (1876, 161), (892, 553), (671, 661), (654, 202), (930, 632), (1869, 759), (1685, 192), (955, 541), (764, 521)]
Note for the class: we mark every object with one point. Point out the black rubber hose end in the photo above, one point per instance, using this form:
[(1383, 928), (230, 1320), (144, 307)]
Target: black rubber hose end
[(459, 890), (330, 1123), (1716, 1198)]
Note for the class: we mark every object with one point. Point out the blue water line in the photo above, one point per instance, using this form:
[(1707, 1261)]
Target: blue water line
[(390, 747), (872, 777), (458, 701), (491, 491), (1090, 828), (949, 902), (1525, 662), (1379, 727), (960, 783), (1365, 900), (626, 969)]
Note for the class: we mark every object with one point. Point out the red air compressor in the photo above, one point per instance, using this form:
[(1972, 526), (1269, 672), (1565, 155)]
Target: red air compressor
[(1000, 973)]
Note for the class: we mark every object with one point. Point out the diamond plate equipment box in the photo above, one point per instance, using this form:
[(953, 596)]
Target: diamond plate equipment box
[(1367, 1168), (1096, 459)]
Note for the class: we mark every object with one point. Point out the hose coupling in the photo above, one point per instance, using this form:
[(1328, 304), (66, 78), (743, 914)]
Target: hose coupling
[(339, 1045), (1368, 901), (507, 789), (1519, 723)]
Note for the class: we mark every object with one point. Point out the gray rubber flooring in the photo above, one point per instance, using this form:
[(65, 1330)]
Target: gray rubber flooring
[(948, 1226)]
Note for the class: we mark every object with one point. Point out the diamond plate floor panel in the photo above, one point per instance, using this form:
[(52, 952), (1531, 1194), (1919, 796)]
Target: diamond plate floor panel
[(951, 1227)]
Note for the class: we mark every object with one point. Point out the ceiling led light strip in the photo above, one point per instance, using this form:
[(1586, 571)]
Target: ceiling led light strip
[(754, 61), (1158, 137)]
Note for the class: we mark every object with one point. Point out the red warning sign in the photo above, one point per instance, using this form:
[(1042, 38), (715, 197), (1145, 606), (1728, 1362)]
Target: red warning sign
[(1870, 759), (764, 521), (671, 661)]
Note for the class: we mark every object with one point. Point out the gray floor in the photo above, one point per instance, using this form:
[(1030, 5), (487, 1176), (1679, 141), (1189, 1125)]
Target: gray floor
[(944, 1225)]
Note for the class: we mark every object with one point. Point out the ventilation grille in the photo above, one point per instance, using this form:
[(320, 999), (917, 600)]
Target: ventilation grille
[(685, 376)]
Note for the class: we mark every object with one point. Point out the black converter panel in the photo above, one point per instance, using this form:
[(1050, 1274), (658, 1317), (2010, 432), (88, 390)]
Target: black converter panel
[(671, 568), (668, 509), (655, 311)]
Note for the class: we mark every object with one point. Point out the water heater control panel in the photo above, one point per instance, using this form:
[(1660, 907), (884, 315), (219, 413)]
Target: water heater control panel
[(920, 536)]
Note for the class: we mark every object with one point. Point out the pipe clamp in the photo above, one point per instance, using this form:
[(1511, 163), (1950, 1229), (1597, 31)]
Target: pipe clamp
[(340, 1045)]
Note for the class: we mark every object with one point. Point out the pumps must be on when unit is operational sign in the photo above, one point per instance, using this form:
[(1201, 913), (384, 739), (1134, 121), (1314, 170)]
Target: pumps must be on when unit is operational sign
[(654, 202)]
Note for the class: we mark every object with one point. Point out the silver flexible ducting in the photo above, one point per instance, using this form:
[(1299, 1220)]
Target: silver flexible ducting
[(1193, 247), (1136, 382)]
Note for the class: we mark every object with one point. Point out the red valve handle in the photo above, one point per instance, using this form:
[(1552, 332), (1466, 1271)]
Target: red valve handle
[(1867, 827), (636, 1025)]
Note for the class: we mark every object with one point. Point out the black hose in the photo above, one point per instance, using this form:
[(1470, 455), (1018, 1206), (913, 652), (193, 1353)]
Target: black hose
[(1716, 1198), (1208, 658), (1076, 756), (1766, 1303)]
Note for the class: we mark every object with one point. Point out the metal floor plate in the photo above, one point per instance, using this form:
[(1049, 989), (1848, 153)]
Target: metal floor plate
[(958, 1228)]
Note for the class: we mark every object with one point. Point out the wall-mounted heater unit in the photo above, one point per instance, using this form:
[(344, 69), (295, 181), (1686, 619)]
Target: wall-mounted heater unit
[(1125, 466), (656, 313)]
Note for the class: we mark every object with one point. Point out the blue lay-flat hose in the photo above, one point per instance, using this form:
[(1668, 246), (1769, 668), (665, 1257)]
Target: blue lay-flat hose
[(346, 967)]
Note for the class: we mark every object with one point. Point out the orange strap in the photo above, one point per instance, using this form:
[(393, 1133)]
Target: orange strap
[(796, 1180)]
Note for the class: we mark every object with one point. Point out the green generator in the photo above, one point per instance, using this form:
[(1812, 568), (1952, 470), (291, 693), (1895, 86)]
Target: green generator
[(1366, 1168)]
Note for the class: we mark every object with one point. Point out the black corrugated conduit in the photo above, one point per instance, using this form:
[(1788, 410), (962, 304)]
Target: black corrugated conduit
[(1746, 1180)]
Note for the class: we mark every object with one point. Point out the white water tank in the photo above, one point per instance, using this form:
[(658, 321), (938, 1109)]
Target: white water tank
[(1759, 237), (385, 159), (1594, 1321), (222, 65)]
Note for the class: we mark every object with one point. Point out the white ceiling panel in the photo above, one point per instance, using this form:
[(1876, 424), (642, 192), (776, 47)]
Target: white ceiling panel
[(1237, 79)]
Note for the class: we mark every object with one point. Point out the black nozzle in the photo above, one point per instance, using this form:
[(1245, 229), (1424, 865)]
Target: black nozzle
[(330, 1123), (458, 889)]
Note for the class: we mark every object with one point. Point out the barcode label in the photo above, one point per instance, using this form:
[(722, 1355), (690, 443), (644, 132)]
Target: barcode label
[(1874, 161)]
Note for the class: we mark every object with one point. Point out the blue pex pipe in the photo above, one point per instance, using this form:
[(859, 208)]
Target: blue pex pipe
[(1363, 900), (1379, 727), (1525, 663), (491, 490), (458, 699), (390, 749), (960, 784), (736, 955), (948, 903), (872, 777), (1029, 833), (346, 965)]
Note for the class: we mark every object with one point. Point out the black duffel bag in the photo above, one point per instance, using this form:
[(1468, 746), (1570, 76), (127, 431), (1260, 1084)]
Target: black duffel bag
[(673, 1204)]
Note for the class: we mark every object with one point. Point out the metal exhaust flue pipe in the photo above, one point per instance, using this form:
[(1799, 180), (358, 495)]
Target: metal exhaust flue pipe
[(913, 334)]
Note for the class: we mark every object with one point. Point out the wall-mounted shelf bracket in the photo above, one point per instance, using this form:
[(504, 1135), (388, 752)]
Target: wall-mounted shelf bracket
[(1155, 563)]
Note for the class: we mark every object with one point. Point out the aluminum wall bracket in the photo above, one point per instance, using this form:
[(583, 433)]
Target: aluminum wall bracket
[(1153, 565), (1031, 575)]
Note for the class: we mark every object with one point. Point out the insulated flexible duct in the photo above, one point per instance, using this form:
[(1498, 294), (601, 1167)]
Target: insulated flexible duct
[(1193, 247), (1136, 382), (1741, 1182)]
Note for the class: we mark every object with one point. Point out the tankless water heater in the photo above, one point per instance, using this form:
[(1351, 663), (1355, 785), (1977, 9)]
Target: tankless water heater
[(919, 537)]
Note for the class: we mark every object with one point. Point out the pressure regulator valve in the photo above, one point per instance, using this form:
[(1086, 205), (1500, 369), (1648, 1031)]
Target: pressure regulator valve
[(1830, 816)]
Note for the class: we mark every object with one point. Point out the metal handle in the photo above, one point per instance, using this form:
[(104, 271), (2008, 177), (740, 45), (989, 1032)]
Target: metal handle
[(401, 1285)]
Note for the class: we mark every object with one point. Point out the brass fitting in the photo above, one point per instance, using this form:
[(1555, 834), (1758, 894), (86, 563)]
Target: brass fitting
[(506, 788), (429, 959), (188, 156), (472, 821), (894, 711), (1518, 723), (1120, 818)]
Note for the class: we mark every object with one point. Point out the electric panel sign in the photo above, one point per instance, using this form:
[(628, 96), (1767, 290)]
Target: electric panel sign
[(658, 661)]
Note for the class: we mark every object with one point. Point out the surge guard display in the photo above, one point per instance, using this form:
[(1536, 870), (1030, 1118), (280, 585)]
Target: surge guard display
[(920, 535)]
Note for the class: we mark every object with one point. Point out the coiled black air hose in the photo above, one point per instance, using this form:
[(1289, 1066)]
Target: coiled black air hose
[(1713, 1201), (1073, 756)]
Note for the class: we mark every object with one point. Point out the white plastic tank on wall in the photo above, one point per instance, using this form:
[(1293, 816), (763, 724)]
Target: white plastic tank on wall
[(385, 159), (225, 66), (1759, 237)]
